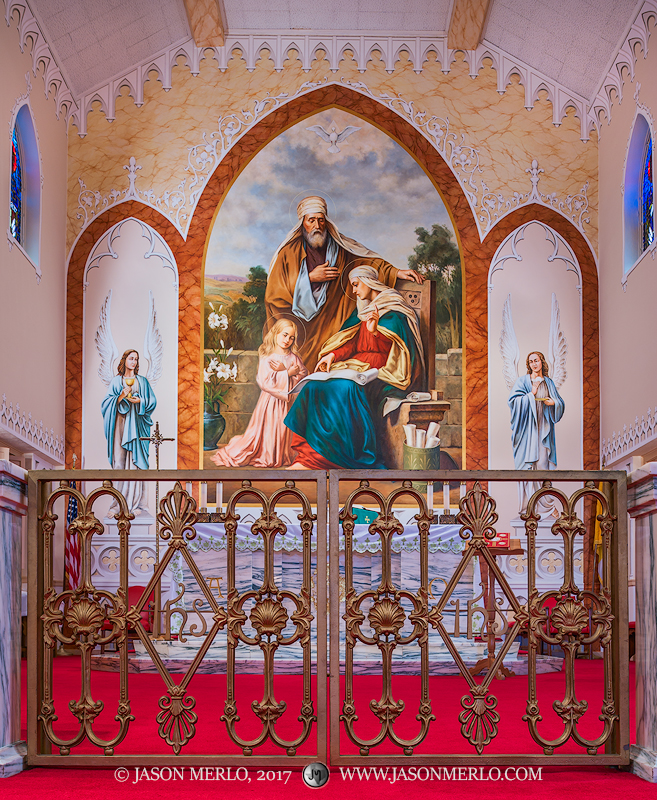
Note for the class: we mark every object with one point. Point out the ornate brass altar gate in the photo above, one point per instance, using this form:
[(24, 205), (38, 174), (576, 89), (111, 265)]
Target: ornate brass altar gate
[(277, 614)]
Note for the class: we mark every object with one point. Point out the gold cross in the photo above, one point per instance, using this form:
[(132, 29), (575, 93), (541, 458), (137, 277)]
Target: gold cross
[(156, 439)]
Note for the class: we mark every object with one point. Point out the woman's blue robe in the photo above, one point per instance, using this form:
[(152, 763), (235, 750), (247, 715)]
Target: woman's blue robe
[(524, 423), (338, 417)]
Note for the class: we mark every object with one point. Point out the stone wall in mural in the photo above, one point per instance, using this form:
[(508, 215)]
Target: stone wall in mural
[(333, 308)]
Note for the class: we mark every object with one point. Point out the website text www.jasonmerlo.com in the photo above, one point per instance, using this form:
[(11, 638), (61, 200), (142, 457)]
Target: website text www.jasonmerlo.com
[(423, 774), (389, 775)]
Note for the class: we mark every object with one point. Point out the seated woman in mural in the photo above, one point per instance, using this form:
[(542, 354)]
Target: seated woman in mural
[(376, 354), (266, 441)]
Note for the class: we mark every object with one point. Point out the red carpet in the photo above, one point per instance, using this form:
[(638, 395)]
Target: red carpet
[(444, 737)]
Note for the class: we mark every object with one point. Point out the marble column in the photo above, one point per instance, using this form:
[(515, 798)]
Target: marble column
[(13, 499), (642, 506)]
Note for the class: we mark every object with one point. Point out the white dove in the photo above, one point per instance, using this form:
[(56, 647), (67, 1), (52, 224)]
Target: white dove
[(333, 138)]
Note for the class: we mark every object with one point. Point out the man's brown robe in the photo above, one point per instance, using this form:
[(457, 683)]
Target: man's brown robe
[(340, 301)]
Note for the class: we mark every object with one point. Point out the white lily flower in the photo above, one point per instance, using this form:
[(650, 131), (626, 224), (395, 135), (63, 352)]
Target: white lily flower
[(207, 376), (221, 342), (212, 367), (229, 352), (212, 306), (214, 320)]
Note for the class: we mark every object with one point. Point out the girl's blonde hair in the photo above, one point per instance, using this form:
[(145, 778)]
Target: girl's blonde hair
[(269, 340)]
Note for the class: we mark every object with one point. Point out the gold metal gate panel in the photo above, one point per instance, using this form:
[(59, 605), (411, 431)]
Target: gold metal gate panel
[(578, 617), (86, 617)]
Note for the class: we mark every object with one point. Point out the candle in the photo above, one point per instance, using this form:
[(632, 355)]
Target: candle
[(446, 505)]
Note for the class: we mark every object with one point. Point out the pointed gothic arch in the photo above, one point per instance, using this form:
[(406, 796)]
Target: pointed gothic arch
[(189, 254)]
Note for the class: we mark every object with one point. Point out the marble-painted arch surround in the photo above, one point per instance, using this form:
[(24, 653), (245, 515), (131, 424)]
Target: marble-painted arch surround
[(476, 257)]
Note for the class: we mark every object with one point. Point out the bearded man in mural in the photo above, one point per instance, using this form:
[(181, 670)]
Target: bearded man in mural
[(308, 277)]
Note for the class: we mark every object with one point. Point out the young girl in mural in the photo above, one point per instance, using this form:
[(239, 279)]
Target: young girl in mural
[(266, 441)]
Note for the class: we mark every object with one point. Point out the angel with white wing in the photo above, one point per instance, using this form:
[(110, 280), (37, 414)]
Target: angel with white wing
[(129, 402), (534, 399)]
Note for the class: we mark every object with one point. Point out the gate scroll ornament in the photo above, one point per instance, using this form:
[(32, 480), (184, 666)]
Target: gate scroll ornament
[(93, 617), (569, 623), (387, 617), (269, 617), (97, 617)]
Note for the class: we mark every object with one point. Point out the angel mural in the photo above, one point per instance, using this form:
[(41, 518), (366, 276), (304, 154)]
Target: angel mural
[(534, 399), (129, 402)]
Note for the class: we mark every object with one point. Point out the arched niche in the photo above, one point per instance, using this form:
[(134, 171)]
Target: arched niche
[(534, 291), (189, 253), (476, 256), (641, 138), (30, 238), (130, 272)]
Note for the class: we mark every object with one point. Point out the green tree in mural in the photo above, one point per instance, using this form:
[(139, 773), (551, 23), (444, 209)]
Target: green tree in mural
[(247, 314), (437, 258)]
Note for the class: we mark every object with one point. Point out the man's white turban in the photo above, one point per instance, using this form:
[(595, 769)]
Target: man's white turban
[(311, 205)]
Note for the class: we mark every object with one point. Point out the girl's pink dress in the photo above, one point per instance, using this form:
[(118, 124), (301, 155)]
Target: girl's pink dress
[(266, 441)]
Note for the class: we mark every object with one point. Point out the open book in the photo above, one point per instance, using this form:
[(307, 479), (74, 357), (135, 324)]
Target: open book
[(363, 378)]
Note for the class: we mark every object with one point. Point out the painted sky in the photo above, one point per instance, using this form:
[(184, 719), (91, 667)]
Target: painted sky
[(376, 193)]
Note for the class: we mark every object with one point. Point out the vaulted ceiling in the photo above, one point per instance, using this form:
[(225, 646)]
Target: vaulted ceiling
[(570, 41)]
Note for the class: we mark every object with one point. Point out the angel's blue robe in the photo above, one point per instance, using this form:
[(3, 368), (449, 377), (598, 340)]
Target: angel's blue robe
[(138, 420), (526, 436), (338, 417)]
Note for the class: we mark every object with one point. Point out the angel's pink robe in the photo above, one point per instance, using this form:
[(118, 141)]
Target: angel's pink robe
[(266, 441)]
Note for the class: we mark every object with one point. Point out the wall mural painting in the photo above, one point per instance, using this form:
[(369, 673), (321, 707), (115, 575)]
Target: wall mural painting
[(534, 400), (130, 347), (130, 401), (535, 383), (332, 292)]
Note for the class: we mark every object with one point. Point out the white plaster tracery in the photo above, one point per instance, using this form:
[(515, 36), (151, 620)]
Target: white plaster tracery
[(29, 431), (623, 65), (104, 248), (495, 206), (632, 436), (280, 45), (203, 158), (561, 252), (29, 32)]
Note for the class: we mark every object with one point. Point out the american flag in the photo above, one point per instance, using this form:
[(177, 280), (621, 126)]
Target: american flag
[(72, 547)]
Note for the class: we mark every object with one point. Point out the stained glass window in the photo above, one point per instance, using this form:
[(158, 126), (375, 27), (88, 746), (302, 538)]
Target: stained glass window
[(647, 198), (16, 201)]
